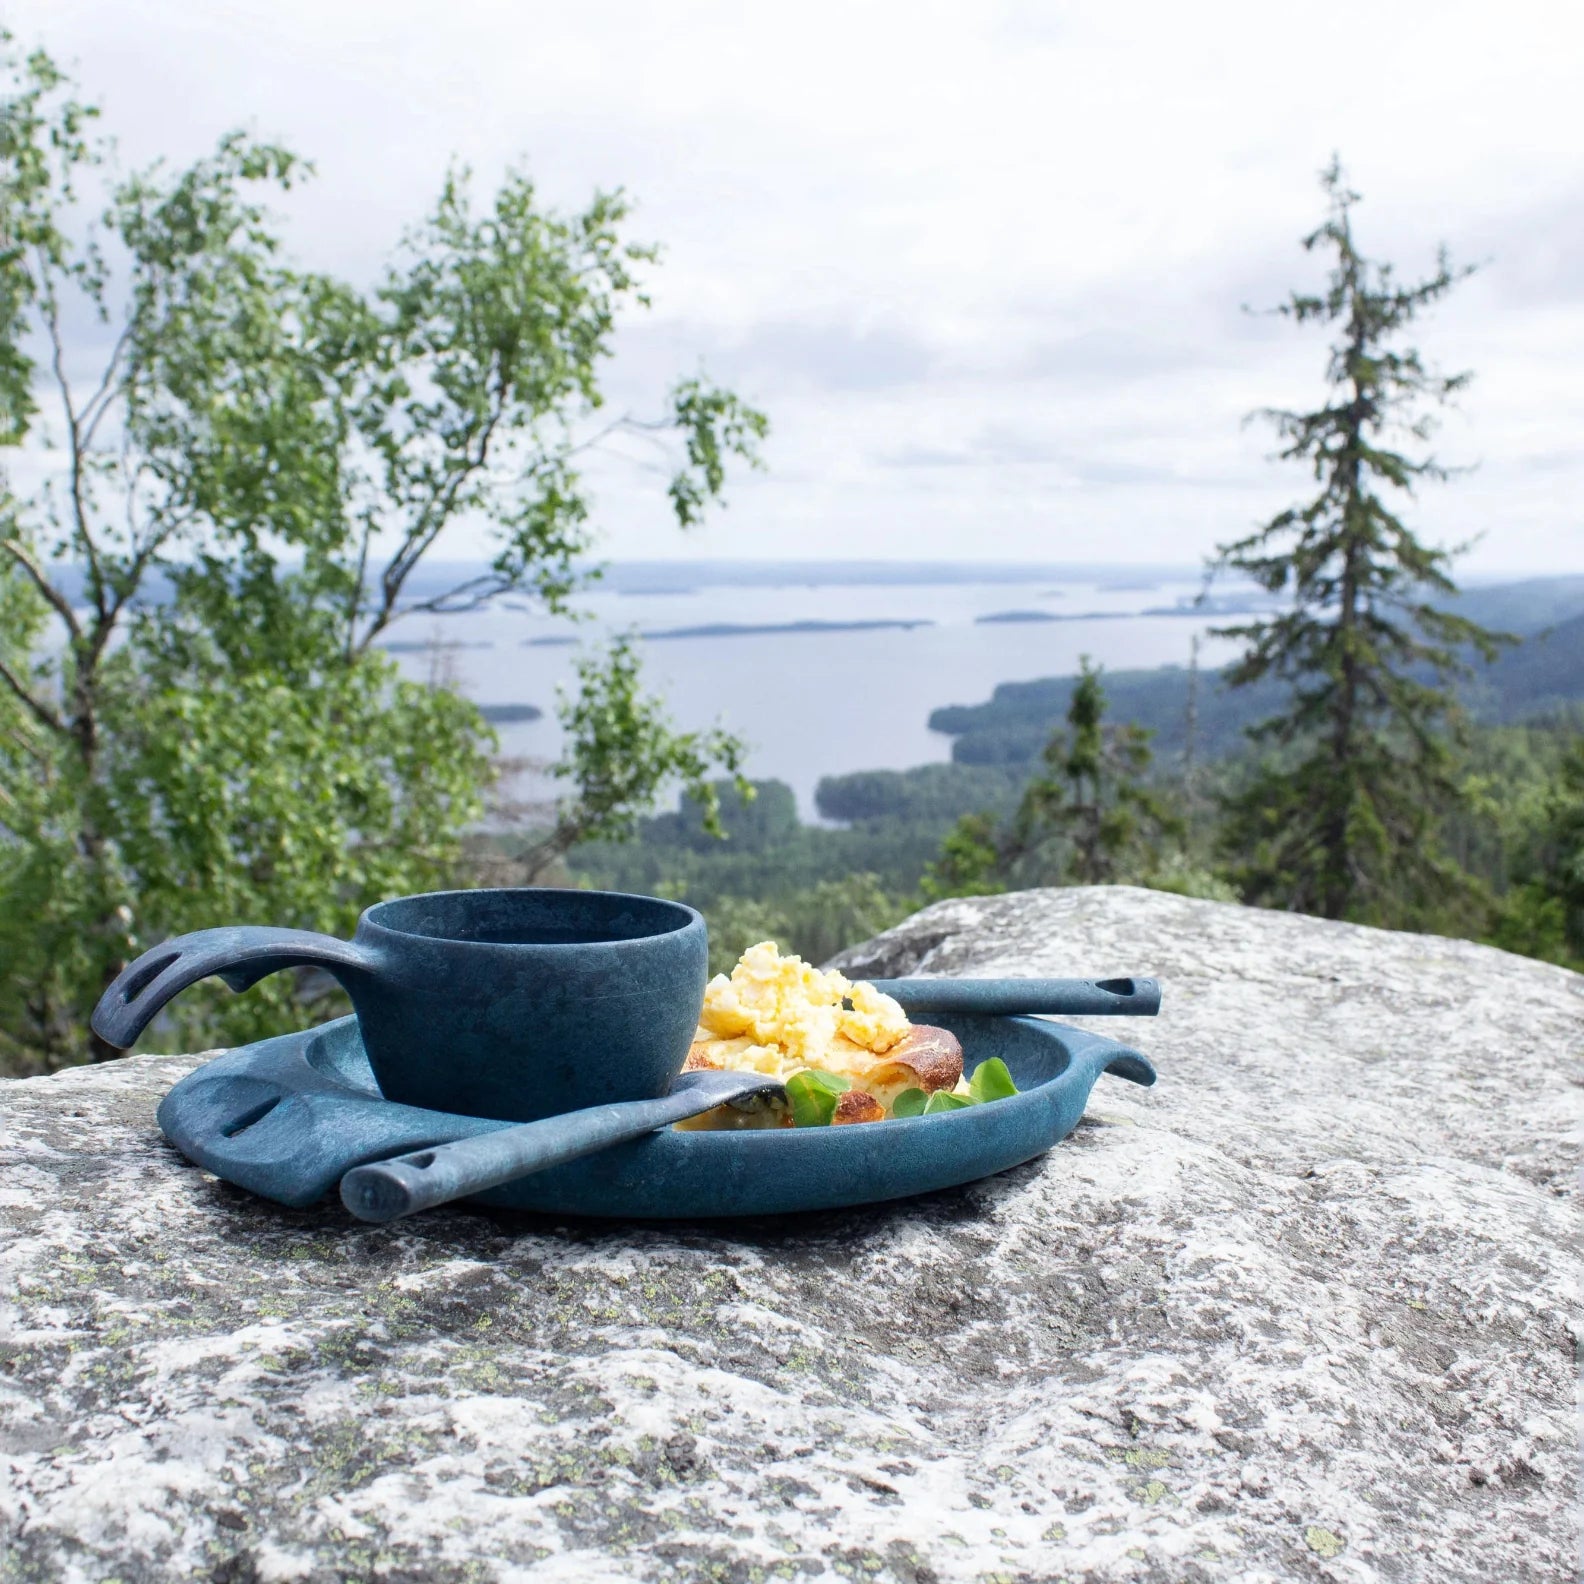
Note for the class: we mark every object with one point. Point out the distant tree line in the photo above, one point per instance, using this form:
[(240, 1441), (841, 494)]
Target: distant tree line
[(1514, 829)]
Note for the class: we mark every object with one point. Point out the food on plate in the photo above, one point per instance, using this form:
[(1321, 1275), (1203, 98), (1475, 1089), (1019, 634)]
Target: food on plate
[(856, 1106), (845, 1052)]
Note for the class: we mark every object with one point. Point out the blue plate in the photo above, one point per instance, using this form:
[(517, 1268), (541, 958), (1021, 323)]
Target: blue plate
[(288, 1117)]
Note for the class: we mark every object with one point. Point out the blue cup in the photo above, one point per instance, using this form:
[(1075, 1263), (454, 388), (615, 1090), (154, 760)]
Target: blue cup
[(514, 1004)]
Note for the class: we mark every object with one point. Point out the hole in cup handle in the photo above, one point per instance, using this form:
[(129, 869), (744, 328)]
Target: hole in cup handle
[(239, 954)]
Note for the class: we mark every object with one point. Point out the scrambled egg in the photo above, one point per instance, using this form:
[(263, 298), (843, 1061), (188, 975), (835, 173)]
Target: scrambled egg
[(778, 1015)]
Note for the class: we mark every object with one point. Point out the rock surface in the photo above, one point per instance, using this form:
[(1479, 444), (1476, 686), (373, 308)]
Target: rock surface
[(1303, 1311)]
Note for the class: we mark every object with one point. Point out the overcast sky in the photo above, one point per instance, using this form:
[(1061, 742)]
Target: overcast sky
[(982, 264)]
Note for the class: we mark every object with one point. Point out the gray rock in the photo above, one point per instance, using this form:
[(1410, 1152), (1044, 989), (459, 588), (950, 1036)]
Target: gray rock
[(1303, 1311)]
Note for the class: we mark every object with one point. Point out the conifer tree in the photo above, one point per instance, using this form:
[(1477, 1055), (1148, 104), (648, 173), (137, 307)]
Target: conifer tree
[(1338, 821), (1089, 819)]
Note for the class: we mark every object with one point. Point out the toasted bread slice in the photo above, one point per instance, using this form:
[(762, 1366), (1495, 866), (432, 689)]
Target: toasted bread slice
[(856, 1106), (927, 1058)]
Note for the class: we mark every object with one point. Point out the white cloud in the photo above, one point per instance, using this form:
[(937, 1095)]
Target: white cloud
[(1014, 238)]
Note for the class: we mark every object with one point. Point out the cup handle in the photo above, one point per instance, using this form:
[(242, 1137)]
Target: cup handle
[(239, 954)]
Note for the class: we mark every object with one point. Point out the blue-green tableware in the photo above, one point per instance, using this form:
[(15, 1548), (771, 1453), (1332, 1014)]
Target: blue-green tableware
[(289, 1117), (508, 1004)]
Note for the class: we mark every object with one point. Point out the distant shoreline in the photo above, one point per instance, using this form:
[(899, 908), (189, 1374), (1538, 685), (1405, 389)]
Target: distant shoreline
[(747, 630), (693, 576), (424, 645), (1012, 617), (510, 714)]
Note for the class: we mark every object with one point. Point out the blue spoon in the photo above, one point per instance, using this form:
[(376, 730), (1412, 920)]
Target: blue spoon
[(385, 1190)]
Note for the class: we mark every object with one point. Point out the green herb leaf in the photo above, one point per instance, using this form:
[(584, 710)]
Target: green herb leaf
[(942, 1101), (812, 1095), (991, 1081), (909, 1103)]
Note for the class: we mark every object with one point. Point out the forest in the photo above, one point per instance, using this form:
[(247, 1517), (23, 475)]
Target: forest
[(820, 887)]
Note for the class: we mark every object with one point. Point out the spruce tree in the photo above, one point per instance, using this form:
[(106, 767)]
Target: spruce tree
[(1338, 819), (1089, 819)]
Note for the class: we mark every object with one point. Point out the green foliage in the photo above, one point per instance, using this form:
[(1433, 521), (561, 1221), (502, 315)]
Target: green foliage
[(281, 452), (736, 923), (808, 888), (774, 879), (970, 861), (813, 1094), (1532, 921), (927, 792), (621, 753), (41, 885), (815, 923), (1536, 678), (1339, 825), (1006, 734), (1089, 819), (991, 1081), (1543, 913), (277, 799), (763, 818), (717, 426), (768, 855), (1184, 873), (1010, 730)]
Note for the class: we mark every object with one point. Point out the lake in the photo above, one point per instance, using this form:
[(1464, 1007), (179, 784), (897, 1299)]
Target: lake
[(818, 702)]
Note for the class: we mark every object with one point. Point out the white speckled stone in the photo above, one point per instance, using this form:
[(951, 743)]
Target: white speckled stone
[(1303, 1311)]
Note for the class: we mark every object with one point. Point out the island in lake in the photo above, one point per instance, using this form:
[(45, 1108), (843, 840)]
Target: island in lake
[(438, 645), (1051, 616), (510, 714), (749, 629)]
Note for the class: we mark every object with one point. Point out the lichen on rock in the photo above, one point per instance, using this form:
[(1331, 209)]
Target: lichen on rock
[(1301, 1311)]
